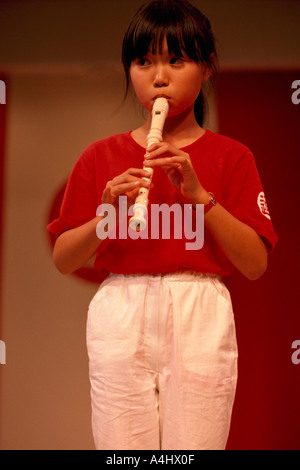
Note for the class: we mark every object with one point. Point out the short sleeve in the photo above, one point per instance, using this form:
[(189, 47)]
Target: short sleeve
[(246, 199), (79, 201)]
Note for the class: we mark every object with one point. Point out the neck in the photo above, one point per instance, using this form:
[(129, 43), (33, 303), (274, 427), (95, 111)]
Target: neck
[(182, 127)]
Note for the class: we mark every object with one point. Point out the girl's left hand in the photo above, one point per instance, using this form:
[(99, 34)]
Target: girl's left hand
[(178, 166)]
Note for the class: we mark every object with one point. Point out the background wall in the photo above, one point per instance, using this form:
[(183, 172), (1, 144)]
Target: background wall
[(64, 86), (267, 410)]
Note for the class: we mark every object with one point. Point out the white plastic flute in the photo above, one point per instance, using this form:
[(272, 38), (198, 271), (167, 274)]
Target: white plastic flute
[(159, 113)]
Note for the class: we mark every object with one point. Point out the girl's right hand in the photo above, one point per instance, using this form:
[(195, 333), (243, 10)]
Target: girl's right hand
[(128, 183)]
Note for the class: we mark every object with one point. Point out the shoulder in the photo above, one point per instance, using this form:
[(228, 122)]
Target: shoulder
[(227, 153), (111, 156), (102, 150), (108, 142), (226, 144)]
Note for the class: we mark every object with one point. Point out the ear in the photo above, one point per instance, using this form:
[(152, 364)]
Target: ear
[(207, 70)]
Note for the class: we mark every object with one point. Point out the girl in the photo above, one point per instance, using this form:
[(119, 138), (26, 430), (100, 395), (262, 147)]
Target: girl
[(160, 331)]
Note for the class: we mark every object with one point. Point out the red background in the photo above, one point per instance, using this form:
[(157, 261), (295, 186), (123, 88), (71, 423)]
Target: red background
[(256, 108)]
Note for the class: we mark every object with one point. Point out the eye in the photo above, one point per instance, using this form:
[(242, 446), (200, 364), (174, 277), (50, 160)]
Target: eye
[(143, 61), (176, 60)]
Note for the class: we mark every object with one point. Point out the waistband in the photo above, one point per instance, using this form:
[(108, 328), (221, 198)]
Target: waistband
[(184, 275)]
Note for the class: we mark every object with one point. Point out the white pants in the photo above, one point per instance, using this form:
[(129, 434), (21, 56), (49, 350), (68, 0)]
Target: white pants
[(163, 362)]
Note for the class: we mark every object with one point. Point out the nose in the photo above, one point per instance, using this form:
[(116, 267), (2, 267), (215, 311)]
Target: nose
[(160, 78)]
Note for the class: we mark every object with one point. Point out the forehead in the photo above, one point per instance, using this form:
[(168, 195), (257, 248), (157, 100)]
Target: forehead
[(163, 48), (160, 42)]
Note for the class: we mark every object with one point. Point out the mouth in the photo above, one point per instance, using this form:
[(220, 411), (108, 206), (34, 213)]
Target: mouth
[(161, 95)]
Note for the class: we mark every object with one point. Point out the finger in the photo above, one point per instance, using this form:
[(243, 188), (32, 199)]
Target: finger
[(106, 196), (154, 146), (130, 175), (123, 188), (163, 149), (165, 162), (159, 151), (183, 164)]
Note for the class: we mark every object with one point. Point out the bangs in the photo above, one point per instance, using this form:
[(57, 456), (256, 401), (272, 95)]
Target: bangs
[(168, 20), (145, 41)]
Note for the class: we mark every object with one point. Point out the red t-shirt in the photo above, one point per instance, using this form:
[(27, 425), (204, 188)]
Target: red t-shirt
[(224, 167)]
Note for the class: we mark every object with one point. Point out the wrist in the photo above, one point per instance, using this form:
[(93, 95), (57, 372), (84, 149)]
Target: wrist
[(207, 199), (203, 197)]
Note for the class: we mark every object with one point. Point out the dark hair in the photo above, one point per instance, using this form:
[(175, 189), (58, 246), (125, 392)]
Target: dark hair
[(185, 28)]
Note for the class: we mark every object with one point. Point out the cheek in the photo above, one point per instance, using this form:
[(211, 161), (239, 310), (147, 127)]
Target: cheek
[(197, 82), (137, 83), (189, 90), (141, 91), (191, 82)]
